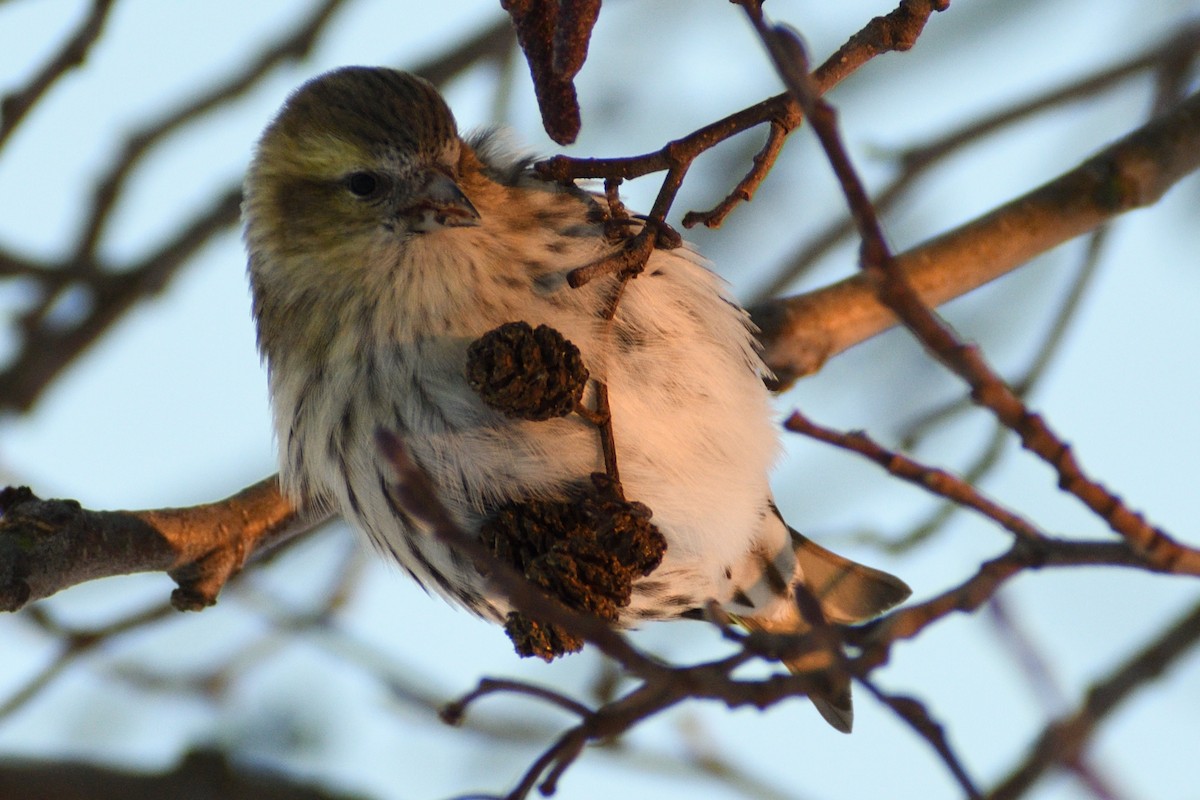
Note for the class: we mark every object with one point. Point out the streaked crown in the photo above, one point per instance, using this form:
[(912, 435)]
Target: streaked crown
[(357, 113)]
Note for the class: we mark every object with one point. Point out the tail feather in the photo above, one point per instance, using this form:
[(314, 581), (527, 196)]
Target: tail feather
[(836, 705), (832, 699), (848, 592)]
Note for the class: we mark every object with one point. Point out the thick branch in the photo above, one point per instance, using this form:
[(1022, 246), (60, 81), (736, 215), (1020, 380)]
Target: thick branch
[(200, 775), (48, 545), (800, 333)]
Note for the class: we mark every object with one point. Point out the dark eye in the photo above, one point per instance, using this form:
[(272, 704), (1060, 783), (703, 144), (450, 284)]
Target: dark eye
[(363, 184)]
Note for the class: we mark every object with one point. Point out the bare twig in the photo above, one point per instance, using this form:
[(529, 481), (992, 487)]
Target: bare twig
[(1064, 740), (989, 457), (1169, 59), (895, 290), (896, 31), (938, 481), (764, 159), (74, 645), (47, 350), (453, 712), (1038, 673), (16, 105), (917, 716), (1064, 312)]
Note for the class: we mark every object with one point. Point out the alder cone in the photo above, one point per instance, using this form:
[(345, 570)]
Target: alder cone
[(526, 372)]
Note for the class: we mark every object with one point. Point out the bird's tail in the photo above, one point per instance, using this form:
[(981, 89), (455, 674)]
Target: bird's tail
[(847, 592)]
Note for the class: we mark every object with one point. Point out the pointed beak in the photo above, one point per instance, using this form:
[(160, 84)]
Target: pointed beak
[(439, 203)]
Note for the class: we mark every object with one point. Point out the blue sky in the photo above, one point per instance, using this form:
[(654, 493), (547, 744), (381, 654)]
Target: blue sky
[(170, 408)]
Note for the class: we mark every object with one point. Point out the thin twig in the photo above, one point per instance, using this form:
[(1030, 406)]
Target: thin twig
[(1169, 58), (987, 388), (75, 645), (763, 160), (895, 32), (937, 481), (1065, 739), (877, 638), (917, 716), (452, 713), (74, 51)]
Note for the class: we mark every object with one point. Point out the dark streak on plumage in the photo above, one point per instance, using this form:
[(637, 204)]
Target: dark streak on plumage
[(777, 583), (358, 99), (490, 610), (399, 512), (580, 231), (411, 542), (460, 562), (430, 405), (372, 372), (401, 426), (549, 282), (441, 580), (385, 544), (630, 337), (352, 498)]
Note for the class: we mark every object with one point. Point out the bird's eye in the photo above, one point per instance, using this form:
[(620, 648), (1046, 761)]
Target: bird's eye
[(363, 184)]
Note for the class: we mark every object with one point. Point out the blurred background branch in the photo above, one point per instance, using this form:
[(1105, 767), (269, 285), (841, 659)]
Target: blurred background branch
[(302, 598)]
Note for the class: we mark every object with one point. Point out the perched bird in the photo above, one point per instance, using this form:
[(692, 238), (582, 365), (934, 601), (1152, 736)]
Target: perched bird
[(382, 245)]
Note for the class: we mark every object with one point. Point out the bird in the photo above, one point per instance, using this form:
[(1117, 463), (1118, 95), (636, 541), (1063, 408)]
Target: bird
[(382, 244)]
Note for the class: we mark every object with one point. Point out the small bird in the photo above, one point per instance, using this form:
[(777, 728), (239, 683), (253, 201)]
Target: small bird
[(382, 245)]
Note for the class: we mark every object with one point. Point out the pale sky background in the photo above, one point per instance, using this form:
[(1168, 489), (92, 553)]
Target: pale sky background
[(171, 408)]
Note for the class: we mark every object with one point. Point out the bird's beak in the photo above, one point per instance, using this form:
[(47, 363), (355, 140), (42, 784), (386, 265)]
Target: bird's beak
[(439, 203)]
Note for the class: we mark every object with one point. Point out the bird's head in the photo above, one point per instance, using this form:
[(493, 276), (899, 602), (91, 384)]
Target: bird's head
[(356, 155), (359, 164)]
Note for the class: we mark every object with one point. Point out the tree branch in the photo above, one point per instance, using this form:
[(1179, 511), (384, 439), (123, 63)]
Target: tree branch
[(1064, 740), (48, 545), (200, 775), (46, 350), (16, 105), (801, 333)]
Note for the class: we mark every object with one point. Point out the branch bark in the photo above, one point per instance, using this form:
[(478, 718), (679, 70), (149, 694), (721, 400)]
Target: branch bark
[(48, 545), (801, 333)]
